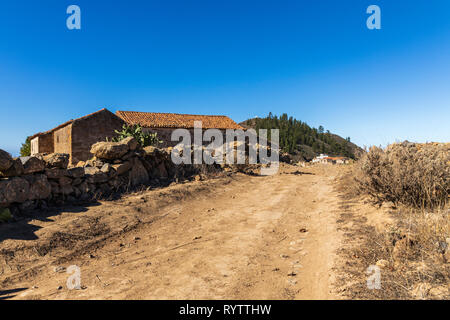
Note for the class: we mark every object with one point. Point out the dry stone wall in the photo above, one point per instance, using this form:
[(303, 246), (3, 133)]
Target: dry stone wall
[(36, 182)]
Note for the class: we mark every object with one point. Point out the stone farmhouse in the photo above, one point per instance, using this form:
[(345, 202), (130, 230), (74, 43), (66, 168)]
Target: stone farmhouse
[(164, 123), (75, 137)]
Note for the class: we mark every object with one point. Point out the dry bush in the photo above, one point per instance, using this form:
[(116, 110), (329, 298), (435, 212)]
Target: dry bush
[(415, 248), (416, 175), (418, 247), (415, 243), (416, 178)]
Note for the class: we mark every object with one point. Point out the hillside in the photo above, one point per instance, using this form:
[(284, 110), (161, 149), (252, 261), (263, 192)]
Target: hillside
[(302, 141)]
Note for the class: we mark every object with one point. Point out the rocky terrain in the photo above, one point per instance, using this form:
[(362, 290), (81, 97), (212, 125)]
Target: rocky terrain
[(36, 182)]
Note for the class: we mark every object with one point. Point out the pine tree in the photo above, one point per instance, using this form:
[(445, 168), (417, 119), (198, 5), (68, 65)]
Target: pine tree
[(293, 132), (25, 150)]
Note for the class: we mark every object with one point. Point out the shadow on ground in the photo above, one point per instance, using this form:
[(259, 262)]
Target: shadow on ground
[(8, 294), (300, 173), (21, 229)]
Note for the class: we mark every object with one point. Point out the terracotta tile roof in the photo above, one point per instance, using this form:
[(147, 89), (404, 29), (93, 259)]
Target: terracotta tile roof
[(174, 120), (335, 158), (67, 123)]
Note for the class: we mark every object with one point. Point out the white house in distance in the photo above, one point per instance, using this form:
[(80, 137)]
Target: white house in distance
[(325, 159), (319, 158)]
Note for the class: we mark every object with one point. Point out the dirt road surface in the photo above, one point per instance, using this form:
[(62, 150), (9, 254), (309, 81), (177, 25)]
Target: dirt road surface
[(236, 237)]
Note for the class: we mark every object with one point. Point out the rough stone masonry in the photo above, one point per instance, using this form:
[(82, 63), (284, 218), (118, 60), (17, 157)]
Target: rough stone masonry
[(29, 183)]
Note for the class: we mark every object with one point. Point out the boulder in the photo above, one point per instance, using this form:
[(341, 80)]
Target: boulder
[(156, 154), (161, 171), (138, 174), (130, 142), (122, 168), (15, 170), (92, 187), (100, 177), (89, 163), (3, 201), (57, 160), (40, 188), (32, 165), (71, 199), (66, 190), (81, 164), (77, 181), (55, 187), (6, 160), (115, 183), (91, 170), (109, 150), (77, 192), (128, 156), (55, 173), (94, 175), (104, 189), (106, 168), (75, 172), (17, 190), (84, 187), (98, 163), (28, 205), (149, 150), (65, 181)]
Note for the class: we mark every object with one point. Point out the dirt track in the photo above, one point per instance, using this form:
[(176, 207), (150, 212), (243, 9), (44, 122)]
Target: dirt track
[(239, 237)]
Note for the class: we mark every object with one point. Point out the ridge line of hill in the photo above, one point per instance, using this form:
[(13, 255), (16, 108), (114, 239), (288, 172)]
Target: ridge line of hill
[(303, 142)]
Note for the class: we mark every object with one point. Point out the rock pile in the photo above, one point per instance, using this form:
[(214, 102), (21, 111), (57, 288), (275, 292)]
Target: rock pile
[(28, 183)]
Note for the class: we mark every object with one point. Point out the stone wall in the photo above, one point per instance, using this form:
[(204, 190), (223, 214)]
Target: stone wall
[(40, 181), (87, 131), (165, 135), (62, 140), (42, 144)]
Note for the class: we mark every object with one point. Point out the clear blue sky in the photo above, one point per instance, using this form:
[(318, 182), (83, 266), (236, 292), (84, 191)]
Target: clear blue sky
[(315, 60)]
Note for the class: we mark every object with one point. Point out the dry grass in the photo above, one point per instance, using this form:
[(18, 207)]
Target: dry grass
[(415, 175), (417, 272), (414, 181)]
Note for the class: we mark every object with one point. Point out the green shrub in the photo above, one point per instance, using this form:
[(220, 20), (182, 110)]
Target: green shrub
[(5, 215), (144, 139)]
